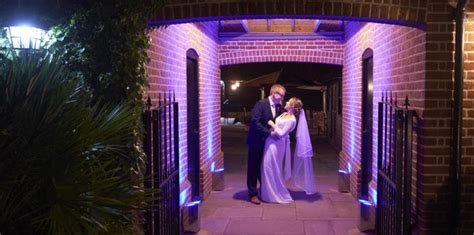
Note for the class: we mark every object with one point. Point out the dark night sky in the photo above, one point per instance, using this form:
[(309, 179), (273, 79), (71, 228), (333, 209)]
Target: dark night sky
[(306, 71), (293, 73)]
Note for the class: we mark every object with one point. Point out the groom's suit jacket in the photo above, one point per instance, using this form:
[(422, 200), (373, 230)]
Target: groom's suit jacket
[(259, 130)]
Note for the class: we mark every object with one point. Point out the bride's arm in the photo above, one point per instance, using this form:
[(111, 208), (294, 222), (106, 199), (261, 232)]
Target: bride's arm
[(272, 130), (272, 124), (279, 132)]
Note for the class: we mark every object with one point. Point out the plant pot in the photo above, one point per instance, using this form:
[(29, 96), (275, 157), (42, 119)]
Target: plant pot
[(218, 180), (344, 181)]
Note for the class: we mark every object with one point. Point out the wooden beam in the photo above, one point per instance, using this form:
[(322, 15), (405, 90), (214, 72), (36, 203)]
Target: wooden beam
[(228, 36)]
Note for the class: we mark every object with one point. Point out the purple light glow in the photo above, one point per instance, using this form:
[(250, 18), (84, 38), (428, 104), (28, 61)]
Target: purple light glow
[(365, 202), (167, 71), (343, 172), (213, 166), (182, 196), (193, 203), (351, 139), (210, 144), (374, 196), (219, 170)]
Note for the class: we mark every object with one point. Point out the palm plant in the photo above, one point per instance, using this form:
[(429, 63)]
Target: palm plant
[(65, 166)]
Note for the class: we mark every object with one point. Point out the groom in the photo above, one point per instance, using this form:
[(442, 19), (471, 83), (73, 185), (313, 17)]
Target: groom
[(263, 111)]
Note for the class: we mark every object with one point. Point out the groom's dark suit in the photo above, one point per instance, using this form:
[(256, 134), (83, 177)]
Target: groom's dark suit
[(259, 130)]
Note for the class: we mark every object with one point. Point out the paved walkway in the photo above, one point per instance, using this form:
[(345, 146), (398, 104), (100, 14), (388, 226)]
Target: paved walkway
[(228, 212)]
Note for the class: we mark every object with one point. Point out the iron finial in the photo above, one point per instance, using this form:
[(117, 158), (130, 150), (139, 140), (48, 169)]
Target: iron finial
[(148, 103)]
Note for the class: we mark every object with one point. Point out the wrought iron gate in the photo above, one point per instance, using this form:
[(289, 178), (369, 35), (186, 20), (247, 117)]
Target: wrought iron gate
[(162, 172), (395, 125)]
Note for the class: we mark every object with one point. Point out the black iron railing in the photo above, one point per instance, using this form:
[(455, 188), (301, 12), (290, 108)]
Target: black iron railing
[(162, 172), (394, 154)]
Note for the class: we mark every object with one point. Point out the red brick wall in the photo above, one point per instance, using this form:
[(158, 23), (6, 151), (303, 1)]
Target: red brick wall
[(467, 171), (436, 133), (435, 202), (398, 56), (429, 84), (167, 72), (311, 51)]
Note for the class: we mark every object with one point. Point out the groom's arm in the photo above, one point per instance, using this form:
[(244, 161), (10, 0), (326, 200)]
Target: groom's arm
[(257, 116)]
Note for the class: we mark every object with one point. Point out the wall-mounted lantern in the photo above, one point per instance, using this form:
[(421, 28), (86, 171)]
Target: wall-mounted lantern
[(26, 37)]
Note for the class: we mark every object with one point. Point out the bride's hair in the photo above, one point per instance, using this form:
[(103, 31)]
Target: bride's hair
[(296, 104)]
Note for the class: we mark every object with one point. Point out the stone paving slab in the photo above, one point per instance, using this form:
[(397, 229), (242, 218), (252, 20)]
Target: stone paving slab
[(346, 209), (279, 213), (248, 226), (343, 227), (319, 210), (327, 212), (340, 197), (318, 227), (235, 212), (213, 225)]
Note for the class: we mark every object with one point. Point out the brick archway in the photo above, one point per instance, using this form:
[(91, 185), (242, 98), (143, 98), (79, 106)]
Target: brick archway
[(310, 51), (426, 76)]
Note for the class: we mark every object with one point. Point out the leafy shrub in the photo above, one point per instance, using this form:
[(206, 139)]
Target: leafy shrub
[(65, 166)]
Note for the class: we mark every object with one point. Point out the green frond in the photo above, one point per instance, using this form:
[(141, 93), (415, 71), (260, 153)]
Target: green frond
[(65, 167)]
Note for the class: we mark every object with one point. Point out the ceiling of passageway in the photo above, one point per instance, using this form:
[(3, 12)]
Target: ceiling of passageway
[(280, 27)]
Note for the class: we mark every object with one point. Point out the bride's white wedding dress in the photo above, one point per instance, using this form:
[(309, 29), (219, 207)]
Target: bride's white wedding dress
[(276, 152)]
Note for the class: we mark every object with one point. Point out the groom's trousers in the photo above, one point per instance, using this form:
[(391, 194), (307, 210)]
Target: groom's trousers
[(255, 155)]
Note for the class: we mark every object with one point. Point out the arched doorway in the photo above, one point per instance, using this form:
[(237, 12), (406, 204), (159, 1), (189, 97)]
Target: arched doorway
[(367, 116), (192, 84), (240, 51)]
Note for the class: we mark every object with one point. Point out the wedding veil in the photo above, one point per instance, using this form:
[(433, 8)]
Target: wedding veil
[(303, 175)]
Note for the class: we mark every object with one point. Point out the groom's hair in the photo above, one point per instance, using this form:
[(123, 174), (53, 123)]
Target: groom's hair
[(277, 88)]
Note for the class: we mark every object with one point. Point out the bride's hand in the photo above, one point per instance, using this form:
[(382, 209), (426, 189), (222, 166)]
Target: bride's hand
[(274, 135), (271, 123)]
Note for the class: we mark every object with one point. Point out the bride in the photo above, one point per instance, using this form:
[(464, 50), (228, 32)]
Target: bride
[(277, 153)]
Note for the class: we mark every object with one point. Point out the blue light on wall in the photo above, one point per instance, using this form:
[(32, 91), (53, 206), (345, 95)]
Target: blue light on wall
[(352, 144), (209, 141), (374, 196), (182, 169), (193, 203), (213, 166), (182, 196), (365, 202), (352, 141)]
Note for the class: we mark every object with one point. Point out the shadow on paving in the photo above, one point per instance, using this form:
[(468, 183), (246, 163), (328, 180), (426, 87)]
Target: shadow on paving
[(327, 212)]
